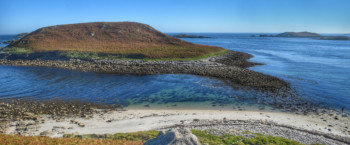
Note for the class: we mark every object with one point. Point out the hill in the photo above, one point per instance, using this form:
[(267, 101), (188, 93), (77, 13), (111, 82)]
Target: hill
[(121, 38), (298, 34)]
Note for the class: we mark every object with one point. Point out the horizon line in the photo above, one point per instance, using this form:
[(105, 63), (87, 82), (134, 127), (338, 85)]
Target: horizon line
[(226, 32)]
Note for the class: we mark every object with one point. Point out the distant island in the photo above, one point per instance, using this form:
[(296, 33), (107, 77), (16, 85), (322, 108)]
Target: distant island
[(298, 34), (307, 35), (189, 36)]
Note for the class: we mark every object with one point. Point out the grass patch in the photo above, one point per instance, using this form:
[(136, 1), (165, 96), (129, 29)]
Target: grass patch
[(134, 136), (138, 138), (16, 50), (267, 140), (228, 139), (192, 58), (110, 56), (205, 137), (135, 56), (40, 140)]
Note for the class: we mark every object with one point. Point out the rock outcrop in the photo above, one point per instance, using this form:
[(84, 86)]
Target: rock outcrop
[(181, 136)]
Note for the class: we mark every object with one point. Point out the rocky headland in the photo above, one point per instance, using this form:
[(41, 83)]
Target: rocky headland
[(307, 35), (189, 36)]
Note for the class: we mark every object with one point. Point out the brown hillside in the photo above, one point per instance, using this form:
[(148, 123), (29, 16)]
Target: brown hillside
[(112, 37)]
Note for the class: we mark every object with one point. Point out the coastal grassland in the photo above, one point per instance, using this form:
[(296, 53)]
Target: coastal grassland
[(228, 139), (152, 52), (94, 55), (41, 140), (133, 136), (145, 54), (16, 50), (203, 137)]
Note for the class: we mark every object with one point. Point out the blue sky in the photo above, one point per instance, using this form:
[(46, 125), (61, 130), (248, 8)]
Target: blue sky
[(322, 16)]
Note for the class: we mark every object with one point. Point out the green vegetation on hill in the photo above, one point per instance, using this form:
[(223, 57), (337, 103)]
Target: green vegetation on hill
[(112, 38)]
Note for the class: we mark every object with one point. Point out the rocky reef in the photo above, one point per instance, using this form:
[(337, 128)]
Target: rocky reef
[(230, 67)]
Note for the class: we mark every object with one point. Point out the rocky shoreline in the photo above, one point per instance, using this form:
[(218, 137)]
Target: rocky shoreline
[(230, 66)]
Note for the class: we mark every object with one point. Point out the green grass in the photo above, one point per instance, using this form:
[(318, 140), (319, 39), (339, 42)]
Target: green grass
[(95, 55), (205, 137), (41, 140), (267, 140), (192, 58), (134, 136), (228, 139), (110, 56), (16, 50), (142, 136)]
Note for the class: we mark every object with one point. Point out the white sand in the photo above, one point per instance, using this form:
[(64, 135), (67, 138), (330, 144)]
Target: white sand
[(147, 119)]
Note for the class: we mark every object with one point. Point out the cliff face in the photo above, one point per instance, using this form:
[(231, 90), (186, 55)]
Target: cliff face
[(112, 37)]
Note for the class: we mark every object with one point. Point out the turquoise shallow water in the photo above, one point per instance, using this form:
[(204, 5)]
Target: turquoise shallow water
[(318, 69)]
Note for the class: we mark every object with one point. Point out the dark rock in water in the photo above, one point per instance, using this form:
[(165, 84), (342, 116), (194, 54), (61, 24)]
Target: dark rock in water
[(6, 42), (189, 36), (264, 35), (179, 136), (335, 38)]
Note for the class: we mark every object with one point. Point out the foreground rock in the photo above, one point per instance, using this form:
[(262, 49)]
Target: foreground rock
[(180, 136)]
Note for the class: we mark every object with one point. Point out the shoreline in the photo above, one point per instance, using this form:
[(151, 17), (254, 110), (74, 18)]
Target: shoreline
[(231, 66), (305, 129), (59, 118)]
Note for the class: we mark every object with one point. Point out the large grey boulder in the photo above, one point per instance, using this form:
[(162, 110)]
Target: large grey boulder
[(180, 136)]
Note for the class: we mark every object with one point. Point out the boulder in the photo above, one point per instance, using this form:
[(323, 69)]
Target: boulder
[(180, 136)]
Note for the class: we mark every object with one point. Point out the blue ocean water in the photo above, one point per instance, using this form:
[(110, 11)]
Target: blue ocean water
[(317, 69)]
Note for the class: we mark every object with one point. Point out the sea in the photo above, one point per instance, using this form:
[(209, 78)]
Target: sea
[(318, 70)]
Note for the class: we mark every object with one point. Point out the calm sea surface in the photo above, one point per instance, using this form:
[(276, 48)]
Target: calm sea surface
[(318, 69)]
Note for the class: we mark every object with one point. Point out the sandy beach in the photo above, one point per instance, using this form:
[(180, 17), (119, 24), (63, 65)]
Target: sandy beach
[(305, 129)]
